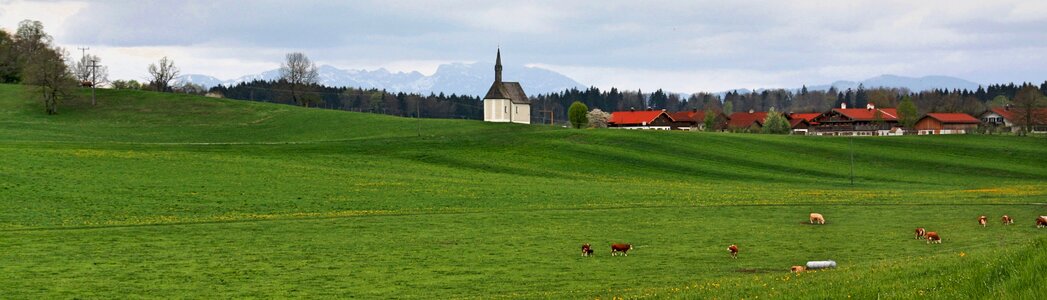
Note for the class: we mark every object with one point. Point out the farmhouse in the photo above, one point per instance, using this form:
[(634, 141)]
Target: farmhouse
[(946, 123), (751, 121), (1008, 118), (856, 121), (505, 101), (695, 120), (643, 119)]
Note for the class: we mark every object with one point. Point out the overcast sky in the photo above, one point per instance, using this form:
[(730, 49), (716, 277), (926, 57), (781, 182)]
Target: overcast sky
[(683, 46)]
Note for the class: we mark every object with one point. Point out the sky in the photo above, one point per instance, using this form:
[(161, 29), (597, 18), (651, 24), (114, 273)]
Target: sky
[(684, 46)]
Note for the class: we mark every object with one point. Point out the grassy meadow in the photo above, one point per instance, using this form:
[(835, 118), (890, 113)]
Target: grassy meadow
[(173, 196)]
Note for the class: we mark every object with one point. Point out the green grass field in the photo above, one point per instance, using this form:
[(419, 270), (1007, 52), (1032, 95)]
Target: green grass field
[(172, 196)]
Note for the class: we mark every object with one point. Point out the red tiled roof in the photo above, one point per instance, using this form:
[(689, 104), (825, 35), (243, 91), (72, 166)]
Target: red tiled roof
[(686, 116), (745, 119), (635, 117), (1039, 116), (806, 116), (955, 118), (865, 114), (797, 121), (1005, 113)]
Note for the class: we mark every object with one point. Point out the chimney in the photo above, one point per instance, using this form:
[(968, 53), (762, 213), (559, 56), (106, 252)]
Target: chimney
[(695, 109), (843, 105), (632, 108), (870, 106), (663, 110), (751, 110)]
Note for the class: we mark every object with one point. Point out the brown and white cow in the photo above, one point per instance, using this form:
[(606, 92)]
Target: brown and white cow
[(623, 248), (734, 250), (816, 217), (920, 233), (983, 220), (1041, 222), (932, 237), (1007, 220), (587, 250), (797, 269)]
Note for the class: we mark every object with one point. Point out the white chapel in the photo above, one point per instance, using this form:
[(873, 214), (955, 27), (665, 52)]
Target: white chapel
[(506, 101)]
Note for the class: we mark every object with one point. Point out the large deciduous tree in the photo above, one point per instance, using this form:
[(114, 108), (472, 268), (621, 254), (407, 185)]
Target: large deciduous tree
[(577, 114), (10, 70), (775, 123), (48, 73), (299, 72), (1026, 106), (908, 114), (162, 74)]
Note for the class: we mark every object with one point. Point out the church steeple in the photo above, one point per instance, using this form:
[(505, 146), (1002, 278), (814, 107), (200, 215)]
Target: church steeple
[(498, 67)]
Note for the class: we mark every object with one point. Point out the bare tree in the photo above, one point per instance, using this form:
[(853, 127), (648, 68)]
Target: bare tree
[(47, 71), (298, 71), (163, 74), (30, 38), (1026, 106), (90, 72)]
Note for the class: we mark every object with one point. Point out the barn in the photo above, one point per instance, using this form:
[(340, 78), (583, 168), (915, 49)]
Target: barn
[(946, 123), (641, 119)]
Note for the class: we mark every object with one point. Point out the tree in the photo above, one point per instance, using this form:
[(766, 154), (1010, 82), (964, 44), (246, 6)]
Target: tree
[(48, 72), (576, 113), (999, 101), (10, 70), (89, 70), (163, 74), (598, 118), (775, 123), (728, 108), (908, 114), (30, 38), (1026, 104), (298, 71), (710, 120)]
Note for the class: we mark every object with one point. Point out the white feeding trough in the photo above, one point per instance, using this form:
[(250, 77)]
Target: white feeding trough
[(821, 264)]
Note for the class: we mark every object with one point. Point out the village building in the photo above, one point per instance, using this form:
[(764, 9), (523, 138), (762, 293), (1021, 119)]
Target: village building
[(866, 121), (695, 120), (506, 102), (1008, 119), (641, 119), (946, 123), (747, 121)]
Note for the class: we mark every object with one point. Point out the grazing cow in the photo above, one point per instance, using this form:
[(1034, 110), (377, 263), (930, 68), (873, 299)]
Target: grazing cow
[(920, 233), (1007, 220), (587, 250), (86, 84), (1041, 222), (816, 217), (932, 237), (734, 250), (623, 248), (982, 220), (797, 269)]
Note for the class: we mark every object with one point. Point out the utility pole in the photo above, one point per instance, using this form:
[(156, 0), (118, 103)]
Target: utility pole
[(94, 79), (83, 58), (852, 158)]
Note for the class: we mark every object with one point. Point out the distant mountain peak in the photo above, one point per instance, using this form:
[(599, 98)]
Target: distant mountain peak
[(453, 78), (915, 84)]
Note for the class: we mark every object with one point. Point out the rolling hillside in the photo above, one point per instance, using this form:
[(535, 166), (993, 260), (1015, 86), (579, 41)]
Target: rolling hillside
[(157, 195)]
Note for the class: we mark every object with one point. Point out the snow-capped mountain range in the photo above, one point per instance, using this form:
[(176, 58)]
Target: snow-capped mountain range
[(456, 78)]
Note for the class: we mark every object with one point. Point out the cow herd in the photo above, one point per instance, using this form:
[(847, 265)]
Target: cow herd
[(816, 218)]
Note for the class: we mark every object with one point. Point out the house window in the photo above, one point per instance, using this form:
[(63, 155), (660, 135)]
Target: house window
[(506, 109), (517, 109)]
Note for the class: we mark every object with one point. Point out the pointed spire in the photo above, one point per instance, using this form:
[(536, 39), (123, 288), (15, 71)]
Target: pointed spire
[(498, 66)]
